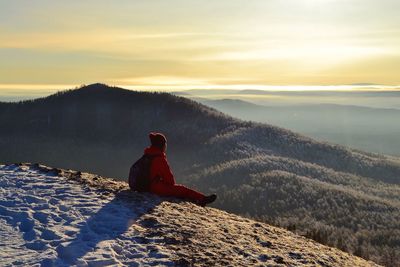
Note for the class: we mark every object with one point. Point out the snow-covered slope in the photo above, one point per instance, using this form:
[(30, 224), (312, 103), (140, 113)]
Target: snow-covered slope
[(55, 217)]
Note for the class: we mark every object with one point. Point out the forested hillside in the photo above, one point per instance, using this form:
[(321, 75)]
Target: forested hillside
[(336, 195)]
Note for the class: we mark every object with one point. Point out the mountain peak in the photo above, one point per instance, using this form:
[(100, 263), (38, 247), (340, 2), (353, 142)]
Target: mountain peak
[(104, 223), (96, 86)]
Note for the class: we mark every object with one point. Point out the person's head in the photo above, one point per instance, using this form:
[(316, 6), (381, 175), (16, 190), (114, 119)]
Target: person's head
[(158, 140)]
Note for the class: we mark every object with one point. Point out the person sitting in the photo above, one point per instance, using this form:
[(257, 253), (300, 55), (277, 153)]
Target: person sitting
[(161, 177)]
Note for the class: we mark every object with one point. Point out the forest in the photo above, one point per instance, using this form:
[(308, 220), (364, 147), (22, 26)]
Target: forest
[(335, 195)]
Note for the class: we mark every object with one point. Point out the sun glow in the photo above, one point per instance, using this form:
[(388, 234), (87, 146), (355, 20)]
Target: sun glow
[(224, 44)]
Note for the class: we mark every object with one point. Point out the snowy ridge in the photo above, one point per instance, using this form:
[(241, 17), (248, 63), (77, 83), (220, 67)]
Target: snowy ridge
[(55, 217)]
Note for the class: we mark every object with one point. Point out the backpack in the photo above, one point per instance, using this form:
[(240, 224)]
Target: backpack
[(139, 174)]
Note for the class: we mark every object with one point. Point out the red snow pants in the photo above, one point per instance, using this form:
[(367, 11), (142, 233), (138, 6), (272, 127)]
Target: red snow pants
[(175, 190)]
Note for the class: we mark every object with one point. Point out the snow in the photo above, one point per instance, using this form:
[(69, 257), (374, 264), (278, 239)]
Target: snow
[(54, 217), (59, 222)]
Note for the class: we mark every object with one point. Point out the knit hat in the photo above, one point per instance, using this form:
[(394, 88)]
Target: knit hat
[(157, 139)]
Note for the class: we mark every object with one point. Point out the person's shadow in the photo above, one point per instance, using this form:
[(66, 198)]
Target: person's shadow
[(110, 222)]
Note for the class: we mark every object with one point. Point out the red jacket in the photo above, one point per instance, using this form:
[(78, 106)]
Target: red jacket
[(159, 167)]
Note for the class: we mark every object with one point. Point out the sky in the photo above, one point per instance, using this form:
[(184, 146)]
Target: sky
[(47, 44)]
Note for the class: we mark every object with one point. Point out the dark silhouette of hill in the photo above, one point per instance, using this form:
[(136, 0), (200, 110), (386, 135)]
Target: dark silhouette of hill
[(338, 196), (98, 126)]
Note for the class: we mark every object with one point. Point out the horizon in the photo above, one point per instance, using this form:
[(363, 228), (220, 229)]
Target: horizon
[(17, 92)]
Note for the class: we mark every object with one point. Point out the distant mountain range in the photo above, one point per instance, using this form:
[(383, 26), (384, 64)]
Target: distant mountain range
[(371, 129), (333, 194), (334, 92)]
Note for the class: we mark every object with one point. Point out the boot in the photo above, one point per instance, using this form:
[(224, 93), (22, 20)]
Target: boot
[(207, 200)]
